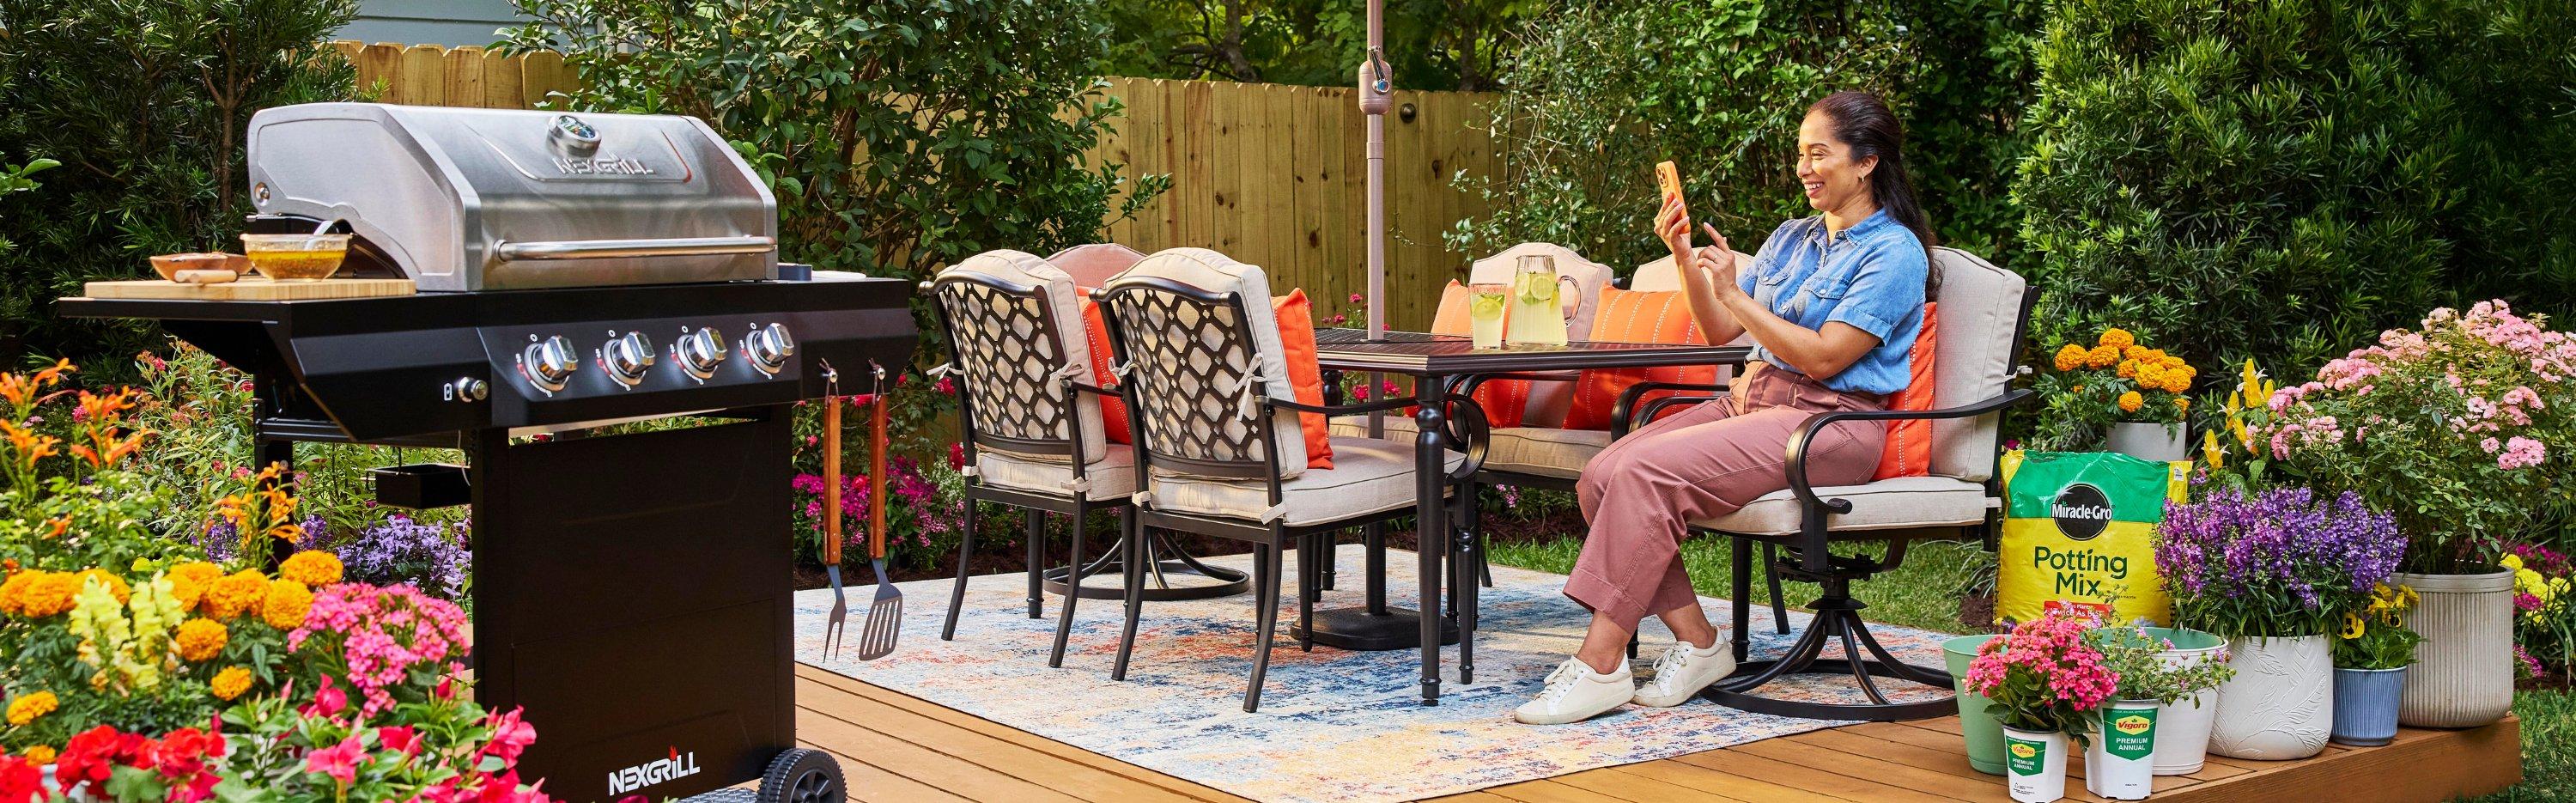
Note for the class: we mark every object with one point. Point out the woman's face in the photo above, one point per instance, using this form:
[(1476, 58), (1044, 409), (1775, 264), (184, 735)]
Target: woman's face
[(1833, 179)]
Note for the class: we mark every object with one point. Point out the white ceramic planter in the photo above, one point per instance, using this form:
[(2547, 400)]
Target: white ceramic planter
[(2463, 672), (2035, 765), (2120, 764), (2182, 728), (2280, 705), (2154, 442)]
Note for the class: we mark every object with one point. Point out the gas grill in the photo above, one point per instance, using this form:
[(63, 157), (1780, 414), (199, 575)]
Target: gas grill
[(631, 585)]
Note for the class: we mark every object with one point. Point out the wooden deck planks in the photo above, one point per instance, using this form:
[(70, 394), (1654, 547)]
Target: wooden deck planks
[(896, 747)]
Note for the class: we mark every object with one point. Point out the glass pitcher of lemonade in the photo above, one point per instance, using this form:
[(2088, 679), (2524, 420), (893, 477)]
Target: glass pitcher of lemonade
[(1537, 316)]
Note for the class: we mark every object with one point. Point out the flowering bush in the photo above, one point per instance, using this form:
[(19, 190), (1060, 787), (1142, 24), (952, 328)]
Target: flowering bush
[(2045, 676), (401, 549), (924, 515), (2544, 604), (2450, 428), (2115, 380), (2374, 634), (2277, 563), (386, 642)]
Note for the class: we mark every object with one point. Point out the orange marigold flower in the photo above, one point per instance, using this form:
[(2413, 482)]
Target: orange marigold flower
[(201, 639), (287, 603), (40, 755), (230, 683), (39, 594), (2131, 401), (2128, 369), (2139, 353), (311, 567), (116, 586), (2102, 357), (27, 708), (2183, 403), (2071, 357), (2118, 338), (235, 593), (189, 581)]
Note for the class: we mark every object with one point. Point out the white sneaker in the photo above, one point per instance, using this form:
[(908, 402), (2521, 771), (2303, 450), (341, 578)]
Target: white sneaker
[(1575, 693), (1683, 671)]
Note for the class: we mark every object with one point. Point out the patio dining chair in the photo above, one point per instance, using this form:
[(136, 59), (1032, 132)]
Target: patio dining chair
[(1218, 445), (1030, 425), (1985, 312)]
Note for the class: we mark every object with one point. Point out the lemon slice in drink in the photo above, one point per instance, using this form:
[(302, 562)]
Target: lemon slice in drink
[(1535, 290), (1488, 305)]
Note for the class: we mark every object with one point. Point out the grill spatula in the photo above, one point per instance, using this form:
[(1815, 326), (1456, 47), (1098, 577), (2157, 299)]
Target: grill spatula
[(885, 616), (834, 626)]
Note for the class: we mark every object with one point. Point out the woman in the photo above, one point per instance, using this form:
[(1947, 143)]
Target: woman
[(1833, 303)]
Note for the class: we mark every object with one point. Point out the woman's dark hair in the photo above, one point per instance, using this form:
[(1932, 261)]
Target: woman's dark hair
[(1863, 121)]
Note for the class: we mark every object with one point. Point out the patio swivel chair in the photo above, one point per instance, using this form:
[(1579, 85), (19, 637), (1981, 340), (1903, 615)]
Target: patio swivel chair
[(1091, 266), (1219, 451), (1030, 424), (1984, 313)]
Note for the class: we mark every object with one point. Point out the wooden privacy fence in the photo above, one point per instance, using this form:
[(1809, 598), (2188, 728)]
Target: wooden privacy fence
[(1269, 174)]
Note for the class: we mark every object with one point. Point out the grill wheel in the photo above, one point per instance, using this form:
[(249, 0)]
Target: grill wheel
[(803, 776)]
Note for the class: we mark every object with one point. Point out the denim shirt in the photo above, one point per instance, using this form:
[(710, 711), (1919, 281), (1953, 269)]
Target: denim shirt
[(1870, 276)]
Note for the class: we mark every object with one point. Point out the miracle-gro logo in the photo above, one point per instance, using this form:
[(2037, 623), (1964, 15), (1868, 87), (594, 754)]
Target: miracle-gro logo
[(678, 765)]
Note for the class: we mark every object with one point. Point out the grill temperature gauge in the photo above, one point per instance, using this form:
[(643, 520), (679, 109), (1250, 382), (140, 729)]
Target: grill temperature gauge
[(549, 363), (769, 347), (700, 352), (627, 358)]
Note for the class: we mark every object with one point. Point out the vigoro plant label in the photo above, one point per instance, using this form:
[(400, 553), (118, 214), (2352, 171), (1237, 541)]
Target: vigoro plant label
[(2079, 532), (2025, 757), (2129, 733)]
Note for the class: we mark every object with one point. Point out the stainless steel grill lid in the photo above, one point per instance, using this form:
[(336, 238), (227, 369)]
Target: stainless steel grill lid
[(493, 199)]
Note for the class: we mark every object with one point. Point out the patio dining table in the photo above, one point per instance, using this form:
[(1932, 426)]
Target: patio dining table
[(1432, 361)]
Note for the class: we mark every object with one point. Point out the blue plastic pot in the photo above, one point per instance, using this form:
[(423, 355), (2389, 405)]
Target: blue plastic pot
[(2365, 705)]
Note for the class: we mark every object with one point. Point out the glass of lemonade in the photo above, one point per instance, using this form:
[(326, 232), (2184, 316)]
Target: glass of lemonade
[(1485, 314)]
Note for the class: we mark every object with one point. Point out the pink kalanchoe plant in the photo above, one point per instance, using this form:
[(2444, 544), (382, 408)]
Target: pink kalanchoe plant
[(2045, 676), (383, 640)]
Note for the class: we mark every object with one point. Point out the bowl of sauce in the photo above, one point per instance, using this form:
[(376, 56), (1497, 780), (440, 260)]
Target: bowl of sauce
[(296, 257)]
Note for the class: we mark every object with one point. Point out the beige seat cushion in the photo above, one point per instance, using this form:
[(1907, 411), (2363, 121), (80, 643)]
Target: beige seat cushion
[(1660, 275), (1902, 502), (1398, 427), (1368, 476), (1545, 451), (1113, 476), (1015, 393)]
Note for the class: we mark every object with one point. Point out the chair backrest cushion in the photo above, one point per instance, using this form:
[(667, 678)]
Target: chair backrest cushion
[(1216, 273), (1981, 307), (1909, 441), (1549, 401), (1636, 317), (1503, 400), (1095, 264), (1009, 356), (1661, 275)]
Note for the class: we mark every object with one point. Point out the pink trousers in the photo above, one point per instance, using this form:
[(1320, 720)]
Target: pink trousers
[(1708, 460)]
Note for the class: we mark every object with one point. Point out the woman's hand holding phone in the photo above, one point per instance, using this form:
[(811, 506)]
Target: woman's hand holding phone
[(1672, 226)]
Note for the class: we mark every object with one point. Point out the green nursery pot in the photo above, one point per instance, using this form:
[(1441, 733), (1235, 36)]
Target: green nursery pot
[(1985, 735)]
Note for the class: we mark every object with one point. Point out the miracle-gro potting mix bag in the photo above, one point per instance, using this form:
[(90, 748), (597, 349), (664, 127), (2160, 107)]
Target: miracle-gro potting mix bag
[(2079, 531)]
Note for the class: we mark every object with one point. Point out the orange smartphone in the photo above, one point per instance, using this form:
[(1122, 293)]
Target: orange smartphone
[(1670, 178)]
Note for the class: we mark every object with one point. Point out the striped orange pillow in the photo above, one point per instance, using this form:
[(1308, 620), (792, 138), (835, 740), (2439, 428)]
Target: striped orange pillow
[(1658, 316), (1909, 442), (1505, 400)]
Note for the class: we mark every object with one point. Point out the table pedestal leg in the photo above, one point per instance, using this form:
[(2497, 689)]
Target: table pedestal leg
[(1373, 626)]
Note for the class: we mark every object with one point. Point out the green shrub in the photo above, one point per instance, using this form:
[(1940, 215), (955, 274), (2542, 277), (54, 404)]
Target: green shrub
[(2285, 179), (1599, 94), (145, 105)]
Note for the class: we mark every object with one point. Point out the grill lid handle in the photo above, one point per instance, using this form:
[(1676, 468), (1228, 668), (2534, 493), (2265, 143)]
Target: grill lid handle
[(623, 249)]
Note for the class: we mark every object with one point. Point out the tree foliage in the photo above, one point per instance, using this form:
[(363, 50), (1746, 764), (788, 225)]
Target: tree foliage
[(145, 105), (1430, 44)]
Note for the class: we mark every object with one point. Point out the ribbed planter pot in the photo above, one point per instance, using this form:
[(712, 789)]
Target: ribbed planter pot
[(2120, 764), (2280, 705), (2182, 728), (1985, 736), (2365, 705), (2155, 442), (2035, 765), (2463, 673)]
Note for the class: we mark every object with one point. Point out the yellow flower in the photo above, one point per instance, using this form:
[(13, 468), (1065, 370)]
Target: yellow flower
[(2511, 562), (40, 755), (2102, 357), (2118, 338), (2131, 401), (2209, 450), (2182, 403), (2070, 357), (201, 639), (313, 568), (116, 586), (230, 683), (236, 593), (189, 581), (2352, 625), (26, 709), (287, 603)]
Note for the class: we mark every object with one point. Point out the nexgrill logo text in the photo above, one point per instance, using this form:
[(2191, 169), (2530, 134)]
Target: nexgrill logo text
[(678, 765)]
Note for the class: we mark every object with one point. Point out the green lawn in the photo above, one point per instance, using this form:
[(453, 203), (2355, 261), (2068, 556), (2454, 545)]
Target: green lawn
[(1925, 593)]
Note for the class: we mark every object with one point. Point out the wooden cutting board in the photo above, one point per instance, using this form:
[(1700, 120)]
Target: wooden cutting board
[(251, 288)]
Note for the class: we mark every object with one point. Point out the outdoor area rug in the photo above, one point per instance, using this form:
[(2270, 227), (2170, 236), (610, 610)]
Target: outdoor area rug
[(1333, 725)]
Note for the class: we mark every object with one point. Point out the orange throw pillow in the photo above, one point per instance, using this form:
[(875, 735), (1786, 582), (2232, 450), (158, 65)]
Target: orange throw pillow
[(1909, 442), (1505, 401), (1113, 413), (1660, 316), (1297, 331)]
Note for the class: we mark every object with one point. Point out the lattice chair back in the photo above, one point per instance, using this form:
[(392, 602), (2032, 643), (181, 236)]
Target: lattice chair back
[(1095, 264), (1982, 312), (1199, 346), (1015, 334)]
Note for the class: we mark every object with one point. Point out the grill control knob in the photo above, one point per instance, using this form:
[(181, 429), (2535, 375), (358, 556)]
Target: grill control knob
[(627, 358), (701, 352), (769, 347), (549, 363)]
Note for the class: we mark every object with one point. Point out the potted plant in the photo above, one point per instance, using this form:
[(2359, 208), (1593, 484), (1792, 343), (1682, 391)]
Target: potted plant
[(2121, 765), (2267, 571), (2461, 429), (2047, 685), (2116, 395), (1985, 737), (2370, 656)]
